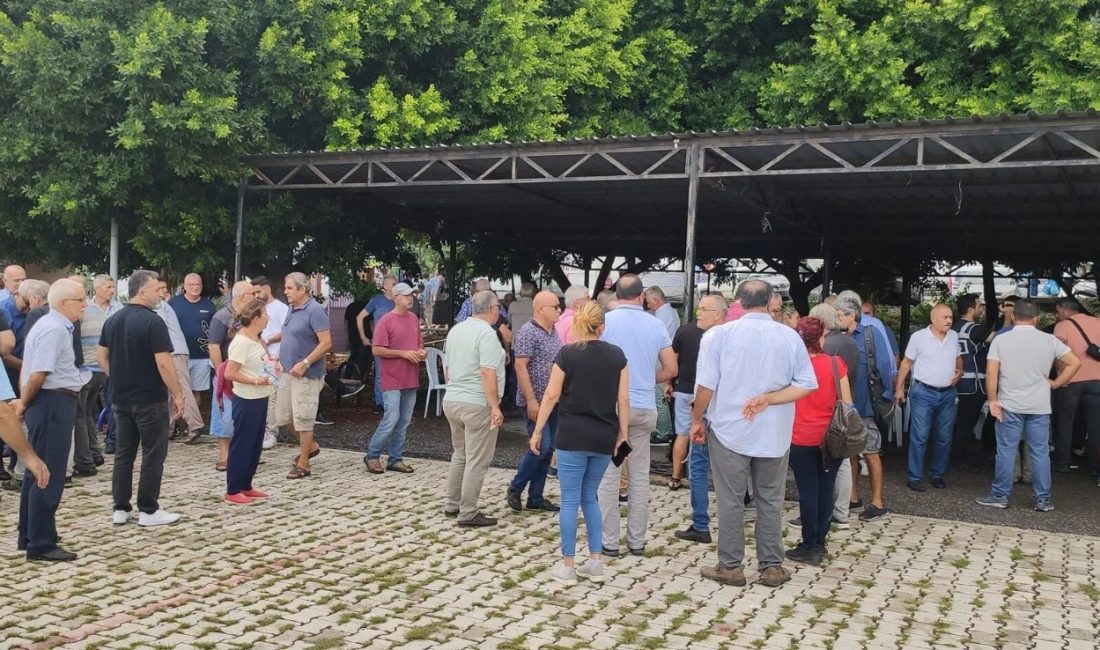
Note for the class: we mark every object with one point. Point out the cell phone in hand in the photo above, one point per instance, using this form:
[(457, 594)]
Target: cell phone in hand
[(621, 454)]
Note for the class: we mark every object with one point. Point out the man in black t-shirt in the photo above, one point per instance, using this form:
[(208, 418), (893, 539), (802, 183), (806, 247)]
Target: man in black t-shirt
[(135, 351), (685, 344)]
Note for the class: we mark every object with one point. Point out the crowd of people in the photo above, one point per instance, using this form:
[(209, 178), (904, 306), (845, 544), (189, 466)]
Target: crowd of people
[(754, 390)]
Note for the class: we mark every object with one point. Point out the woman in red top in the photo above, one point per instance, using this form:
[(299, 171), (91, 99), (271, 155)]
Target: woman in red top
[(814, 473)]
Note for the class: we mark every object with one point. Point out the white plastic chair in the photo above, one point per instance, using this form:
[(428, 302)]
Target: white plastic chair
[(435, 359)]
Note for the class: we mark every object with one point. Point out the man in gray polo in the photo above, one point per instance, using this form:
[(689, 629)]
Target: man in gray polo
[(645, 341), (750, 373)]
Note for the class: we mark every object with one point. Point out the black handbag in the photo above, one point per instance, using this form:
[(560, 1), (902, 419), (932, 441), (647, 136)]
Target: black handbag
[(884, 408)]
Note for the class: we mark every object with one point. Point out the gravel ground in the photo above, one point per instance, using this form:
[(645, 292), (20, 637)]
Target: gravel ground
[(1076, 496)]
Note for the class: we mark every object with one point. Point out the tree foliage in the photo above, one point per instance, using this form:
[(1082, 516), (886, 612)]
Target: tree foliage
[(141, 110)]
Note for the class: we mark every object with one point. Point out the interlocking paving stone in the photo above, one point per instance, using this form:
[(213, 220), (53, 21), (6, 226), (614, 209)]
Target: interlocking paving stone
[(347, 559)]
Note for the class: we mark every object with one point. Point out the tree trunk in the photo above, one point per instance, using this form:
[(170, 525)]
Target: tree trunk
[(601, 277), (989, 288), (553, 266)]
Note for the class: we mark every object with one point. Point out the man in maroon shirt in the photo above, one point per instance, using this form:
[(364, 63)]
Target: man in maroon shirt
[(399, 347)]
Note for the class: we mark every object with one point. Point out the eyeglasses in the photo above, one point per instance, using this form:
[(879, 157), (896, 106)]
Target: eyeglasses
[(707, 309), (554, 307), (775, 312)]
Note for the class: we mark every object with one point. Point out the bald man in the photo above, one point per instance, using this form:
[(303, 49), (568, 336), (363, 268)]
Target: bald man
[(195, 312), (534, 348), (221, 418), (13, 277), (934, 357)]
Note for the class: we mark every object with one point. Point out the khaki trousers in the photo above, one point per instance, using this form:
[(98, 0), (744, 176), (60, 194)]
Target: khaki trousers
[(474, 443), (191, 413)]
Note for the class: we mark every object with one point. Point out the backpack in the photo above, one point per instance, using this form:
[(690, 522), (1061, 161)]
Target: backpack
[(846, 436)]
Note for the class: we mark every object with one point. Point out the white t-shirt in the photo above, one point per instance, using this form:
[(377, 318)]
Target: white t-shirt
[(933, 359), (1026, 356), (276, 316)]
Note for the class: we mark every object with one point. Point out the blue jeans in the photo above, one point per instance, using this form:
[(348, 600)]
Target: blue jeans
[(698, 467), (533, 469), (580, 473), (1035, 431), (398, 405), (378, 399), (932, 414)]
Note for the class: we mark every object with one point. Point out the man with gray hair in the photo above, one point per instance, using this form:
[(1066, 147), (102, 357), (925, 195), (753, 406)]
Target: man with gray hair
[(14, 275), (103, 296), (31, 296), (749, 375), (575, 296), (135, 351), (872, 381), (657, 304), (50, 384), (647, 346), (475, 384), (306, 340)]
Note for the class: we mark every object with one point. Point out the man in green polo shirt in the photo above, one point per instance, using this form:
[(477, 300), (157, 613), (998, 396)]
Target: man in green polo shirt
[(475, 383)]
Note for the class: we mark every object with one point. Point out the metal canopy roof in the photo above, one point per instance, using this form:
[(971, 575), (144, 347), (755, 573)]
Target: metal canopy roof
[(1007, 187)]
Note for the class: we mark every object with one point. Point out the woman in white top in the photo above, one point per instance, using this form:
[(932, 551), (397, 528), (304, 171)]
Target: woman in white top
[(251, 389)]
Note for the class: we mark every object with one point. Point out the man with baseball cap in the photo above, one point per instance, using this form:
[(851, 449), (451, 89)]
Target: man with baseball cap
[(399, 348)]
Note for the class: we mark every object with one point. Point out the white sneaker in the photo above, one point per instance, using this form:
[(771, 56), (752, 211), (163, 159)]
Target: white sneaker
[(591, 570), (270, 441), (158, 518), (562, 573), (120, 517)]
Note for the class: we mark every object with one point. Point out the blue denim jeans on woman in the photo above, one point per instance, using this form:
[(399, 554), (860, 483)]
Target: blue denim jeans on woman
[(931, 414), (580, 473), (390, 434), (533, 469), (1035, 431)]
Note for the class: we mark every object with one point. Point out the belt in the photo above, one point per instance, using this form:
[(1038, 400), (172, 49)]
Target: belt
[(64, 391), (938, 389)]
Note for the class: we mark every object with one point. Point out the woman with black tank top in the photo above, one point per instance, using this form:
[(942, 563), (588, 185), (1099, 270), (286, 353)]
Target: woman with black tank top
[(589, 379)]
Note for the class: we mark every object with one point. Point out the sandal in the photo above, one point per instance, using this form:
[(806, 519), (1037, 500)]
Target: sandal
[(312, 455), (675, 483), (298, 472), (193, 439), (220, 467)]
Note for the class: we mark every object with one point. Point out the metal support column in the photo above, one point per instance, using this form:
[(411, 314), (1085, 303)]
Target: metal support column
[(239, 246), (453, 281), (114, 248), (906, 306), (826, 269), (989, 289), (693, 165)]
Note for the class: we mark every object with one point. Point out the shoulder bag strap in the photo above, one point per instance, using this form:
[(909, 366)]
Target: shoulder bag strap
[(869, 346), (1081, 330), (836, 377)]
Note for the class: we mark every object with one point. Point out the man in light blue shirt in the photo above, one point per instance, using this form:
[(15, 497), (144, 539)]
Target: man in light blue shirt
[(750, 373), (647, 346)]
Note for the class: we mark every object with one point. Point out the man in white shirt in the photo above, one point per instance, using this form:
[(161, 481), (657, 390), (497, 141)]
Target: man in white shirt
[(750, 373), (277, 311), (934, 357), (1018, 386)]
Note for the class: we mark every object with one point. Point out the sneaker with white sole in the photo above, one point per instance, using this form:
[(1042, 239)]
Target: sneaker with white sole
[(270, 441), (991, 501), (158, 518), (120, 517), (564, 574), (840, 524), (591, 570)]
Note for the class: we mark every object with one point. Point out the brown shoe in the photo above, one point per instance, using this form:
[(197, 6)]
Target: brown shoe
[(478, 520), (400, 466), (774, 576), (718, 573), (374, 466)]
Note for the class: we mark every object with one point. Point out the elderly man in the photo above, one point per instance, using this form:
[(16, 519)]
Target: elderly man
[(31, 295), (194, 313), (399, 347), (657, 304), (180, 359), (432, 288), (933, 356), (378, 306), (88, 454), (50, 384), (103, 295), (135, 350), (523, 308), (535, 347), (646, 343), (575, 296), (711, 312), (475, 384), (750, 373), (874, 383), (13, 277), (271, 337), (1019, 386), (221, 335), (306, 340)]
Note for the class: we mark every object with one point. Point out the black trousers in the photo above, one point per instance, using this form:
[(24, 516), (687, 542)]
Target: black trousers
[(1072, 402), (50, 419), (145, 425), (964, 448)]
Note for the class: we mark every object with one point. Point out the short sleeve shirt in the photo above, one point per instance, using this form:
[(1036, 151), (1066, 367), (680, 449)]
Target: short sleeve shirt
[(49, 349), (133, 337), (933, 360), (251, 355), (398, 332), (540, 348), (472, 345), (276, 315), (641, 337), (588, 417), (1026, 356), (377, 307), (686, 346), (194, 319), (219, 331), (300, 336)]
